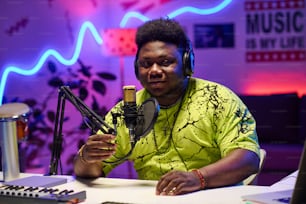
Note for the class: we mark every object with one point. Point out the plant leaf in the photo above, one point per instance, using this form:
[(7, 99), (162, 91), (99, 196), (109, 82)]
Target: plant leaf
[(107, 76), (95, 105), (84, 69), (51, 66), (83, 93), (30, 102), (51, 116), (99, 87), (56, 82)]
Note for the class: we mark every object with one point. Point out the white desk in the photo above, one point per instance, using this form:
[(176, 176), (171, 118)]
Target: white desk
[(139, 191)]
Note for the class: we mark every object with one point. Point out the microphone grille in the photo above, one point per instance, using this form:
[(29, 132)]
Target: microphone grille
[(129, 94)]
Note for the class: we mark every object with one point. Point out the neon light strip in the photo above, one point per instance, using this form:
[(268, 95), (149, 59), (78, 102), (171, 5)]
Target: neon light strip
[(88, 25), (200, 11), (51, 52), (132, 14), (177, 12)]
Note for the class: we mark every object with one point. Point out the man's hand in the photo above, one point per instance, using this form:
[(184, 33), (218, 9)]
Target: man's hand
[(98, 148), (88, 162), (177, 182)]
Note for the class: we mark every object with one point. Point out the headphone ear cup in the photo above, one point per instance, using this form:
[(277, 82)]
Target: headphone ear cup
[(188, 62), (136, 68)]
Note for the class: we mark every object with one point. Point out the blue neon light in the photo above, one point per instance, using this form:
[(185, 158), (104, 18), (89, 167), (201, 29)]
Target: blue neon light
[(132, 14), (51, 52), (190, 9), (177, 12), (88, 25)]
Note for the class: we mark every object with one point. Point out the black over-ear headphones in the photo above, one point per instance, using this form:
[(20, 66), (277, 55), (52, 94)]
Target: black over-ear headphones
[(188, 61)]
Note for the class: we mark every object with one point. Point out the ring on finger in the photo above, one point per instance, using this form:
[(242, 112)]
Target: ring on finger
[(172, 190)]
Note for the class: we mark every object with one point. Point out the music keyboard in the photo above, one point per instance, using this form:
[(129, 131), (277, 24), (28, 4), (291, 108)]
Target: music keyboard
[(11, 194)]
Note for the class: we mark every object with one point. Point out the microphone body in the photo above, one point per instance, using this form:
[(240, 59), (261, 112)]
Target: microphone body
[(130, 109)]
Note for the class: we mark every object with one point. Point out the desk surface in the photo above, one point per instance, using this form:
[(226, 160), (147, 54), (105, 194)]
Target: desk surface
[(139, 191), (142, 191)]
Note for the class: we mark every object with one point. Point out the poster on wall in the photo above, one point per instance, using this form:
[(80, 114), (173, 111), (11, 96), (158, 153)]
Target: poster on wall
[(214, 35), (275, 31)]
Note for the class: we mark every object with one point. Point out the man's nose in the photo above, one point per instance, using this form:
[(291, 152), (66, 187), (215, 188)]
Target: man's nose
[(155, 70)]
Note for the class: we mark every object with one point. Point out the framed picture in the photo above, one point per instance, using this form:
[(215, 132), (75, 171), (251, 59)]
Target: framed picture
[(214, 35)]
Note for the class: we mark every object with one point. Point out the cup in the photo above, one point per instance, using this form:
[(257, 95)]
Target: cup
[(13, 127)]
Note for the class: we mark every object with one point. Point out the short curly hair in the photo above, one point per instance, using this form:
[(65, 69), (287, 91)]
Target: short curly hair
[(163, 29)]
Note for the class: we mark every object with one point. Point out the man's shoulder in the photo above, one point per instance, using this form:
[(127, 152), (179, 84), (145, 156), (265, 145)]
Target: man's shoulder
[(142, 95), (200, 83), (211, 88)]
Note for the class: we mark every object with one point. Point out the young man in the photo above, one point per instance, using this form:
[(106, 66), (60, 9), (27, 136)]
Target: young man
[(204, 136)]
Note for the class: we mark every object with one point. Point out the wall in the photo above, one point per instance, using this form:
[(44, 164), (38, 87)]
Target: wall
[(29, 29)]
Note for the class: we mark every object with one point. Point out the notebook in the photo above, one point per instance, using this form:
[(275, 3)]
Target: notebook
[(293, 196)]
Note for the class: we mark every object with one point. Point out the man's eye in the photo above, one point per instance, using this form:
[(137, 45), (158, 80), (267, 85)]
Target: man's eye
[(162, 62), (167, 62), (145, 63)]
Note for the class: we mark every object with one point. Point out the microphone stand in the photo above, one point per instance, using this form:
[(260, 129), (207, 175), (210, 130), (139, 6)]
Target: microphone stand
[(94, 121), (57, 135)]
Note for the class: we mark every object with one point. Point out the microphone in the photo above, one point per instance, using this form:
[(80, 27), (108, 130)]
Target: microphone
[(130, 109), (139, 120)]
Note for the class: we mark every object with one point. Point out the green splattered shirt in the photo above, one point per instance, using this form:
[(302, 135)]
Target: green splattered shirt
[(206, 125)]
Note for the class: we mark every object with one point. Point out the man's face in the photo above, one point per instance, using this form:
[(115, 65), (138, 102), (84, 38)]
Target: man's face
[(160, 69)]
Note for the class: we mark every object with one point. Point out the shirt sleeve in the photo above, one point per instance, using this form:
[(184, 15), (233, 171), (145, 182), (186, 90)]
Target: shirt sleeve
[(236, 127)]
